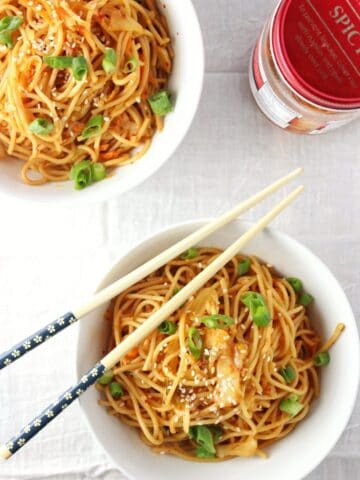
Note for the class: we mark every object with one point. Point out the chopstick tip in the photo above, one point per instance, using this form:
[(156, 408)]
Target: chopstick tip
[(5, 453), (299, 190), (298, 171)]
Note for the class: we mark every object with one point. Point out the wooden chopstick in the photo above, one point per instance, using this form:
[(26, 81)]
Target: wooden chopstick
[(62, 322), (113, 357)]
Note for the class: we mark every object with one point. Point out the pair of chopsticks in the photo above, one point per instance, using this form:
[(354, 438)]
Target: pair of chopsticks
[(114, 356)]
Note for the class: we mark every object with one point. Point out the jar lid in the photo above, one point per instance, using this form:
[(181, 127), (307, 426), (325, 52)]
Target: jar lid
[(316, 46)]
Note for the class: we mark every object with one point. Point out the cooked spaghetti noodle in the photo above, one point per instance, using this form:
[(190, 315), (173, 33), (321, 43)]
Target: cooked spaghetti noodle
[(30, 88), (237, 385)]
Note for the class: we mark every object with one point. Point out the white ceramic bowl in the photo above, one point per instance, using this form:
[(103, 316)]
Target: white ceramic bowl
[(291, 458), (186, 83)]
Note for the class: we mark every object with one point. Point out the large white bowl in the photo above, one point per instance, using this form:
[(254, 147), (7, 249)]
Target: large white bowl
[(291, 458), (186, 83)]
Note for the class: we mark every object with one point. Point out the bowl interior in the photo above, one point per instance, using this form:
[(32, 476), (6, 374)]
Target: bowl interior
[(186, 84), (292, 457)]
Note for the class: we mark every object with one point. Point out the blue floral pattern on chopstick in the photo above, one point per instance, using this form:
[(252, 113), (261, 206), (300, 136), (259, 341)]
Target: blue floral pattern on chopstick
[(45, 333), (53, 410)]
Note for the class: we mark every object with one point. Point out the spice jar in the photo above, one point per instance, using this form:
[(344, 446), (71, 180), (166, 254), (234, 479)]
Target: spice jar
[(305, 68)]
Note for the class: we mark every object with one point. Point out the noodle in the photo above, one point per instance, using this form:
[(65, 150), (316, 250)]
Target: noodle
[(30, 89), (236, 383)]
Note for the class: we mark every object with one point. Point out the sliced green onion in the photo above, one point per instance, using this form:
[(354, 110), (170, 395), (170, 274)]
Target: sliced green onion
[(106, 377), (10, 23), (321, 359), (5, 39), (131, 65), (206, 437), (190, 254), (161, 103), (261, 316), (83, 180), (116, 390), (203, 437), (201, 452), (291, 405), (78, 65), (79, 68), (7, 26), (41, 126), (59, 61), (98, 172), (195, 342), (258, 309), (81, 174), (243, 266), (93, 126), (288, 373), (109, 60), (167, 327), (78, 167), (85, 172), (193, 432), (217, 321), (295, 283), (305, 299)]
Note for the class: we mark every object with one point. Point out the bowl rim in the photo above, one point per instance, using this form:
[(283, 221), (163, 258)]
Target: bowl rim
[(103, 193), (278, 234)]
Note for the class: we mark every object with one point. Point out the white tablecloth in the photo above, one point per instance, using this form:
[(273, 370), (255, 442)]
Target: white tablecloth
[(50, 259)]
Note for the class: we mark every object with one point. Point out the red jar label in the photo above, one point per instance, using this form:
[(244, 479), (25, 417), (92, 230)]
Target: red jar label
[(316, 46)]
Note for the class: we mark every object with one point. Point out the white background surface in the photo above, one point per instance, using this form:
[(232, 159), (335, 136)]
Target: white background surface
[(51, 259)]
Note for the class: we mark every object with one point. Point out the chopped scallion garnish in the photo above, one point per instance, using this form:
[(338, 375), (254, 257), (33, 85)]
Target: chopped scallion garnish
[(59, 61), (201, 452), (291, 405), (167, 327), (5, 39), (93, 126), (78, 65), (81, 173), (195, 342), (7, 26), (109, 60), (161, 103), (217, 321), (305, 299), (79, 68), (41, 126), (190, 254), (98, 172), (321, 359), (106, 377), (243, 267), (116, 390), (258, 309), (203, 436), (10, 23), (288, 373), (84, 173), (295, 283)]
